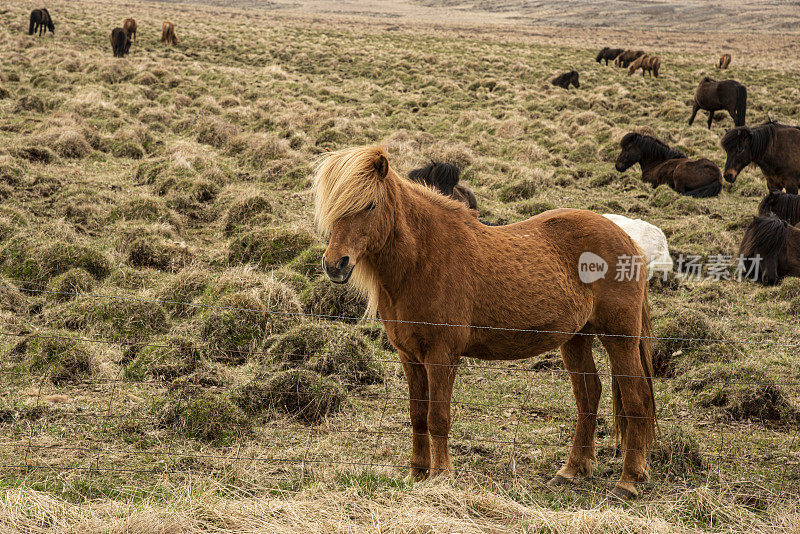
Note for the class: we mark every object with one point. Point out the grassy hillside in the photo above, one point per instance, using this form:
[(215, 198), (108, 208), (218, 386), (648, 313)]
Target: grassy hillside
[(157, 258)]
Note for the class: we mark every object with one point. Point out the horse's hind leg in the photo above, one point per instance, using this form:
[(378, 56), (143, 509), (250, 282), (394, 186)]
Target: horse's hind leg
[(695, 109), (441, 376), (710, 119), (418, 394), (586, 386)]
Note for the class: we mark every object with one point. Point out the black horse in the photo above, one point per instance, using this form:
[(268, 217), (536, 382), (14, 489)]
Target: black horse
[(120, 42), (564, 80), (608, 54), (444, 178), (773, 146), (784, 206), (777, 247), (712, 96), (41, 22)]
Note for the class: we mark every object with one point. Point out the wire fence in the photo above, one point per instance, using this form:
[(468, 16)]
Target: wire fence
[(512, 422)]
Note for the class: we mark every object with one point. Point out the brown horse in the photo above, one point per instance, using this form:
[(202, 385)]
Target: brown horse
[(168, 37), (447, 286), (784, 206), (129, 25), (627, 57), (608, 54), (41, 22), (120, 43), (776, 244), (663, 165), (647, 63), (724, 61), (712, 96), (566, 79), (774, 147)]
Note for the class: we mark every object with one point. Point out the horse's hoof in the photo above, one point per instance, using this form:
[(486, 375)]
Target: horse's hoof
[(558, 480), (418, 474), (622, 494)]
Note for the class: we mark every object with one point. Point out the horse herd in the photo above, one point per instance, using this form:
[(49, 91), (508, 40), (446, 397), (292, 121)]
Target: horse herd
[(121, 37)]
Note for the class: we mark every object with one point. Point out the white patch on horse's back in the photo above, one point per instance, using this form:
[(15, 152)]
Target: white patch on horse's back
[(649, 238)]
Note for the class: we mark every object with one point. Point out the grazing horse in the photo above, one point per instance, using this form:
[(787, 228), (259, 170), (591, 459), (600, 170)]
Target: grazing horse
[(649, 238), (444, 177), (712, 96), (724, 61), (784, 206), (168, 37), (627, 57), (774, 147), (564, 80), (41, 22), (608, 54), (129, 25), (120, 43), (647, 63), (777, 244), (662, 165), (447, 286)]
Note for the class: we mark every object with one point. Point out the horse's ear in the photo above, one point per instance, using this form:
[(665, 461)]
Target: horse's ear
[(381, 166)]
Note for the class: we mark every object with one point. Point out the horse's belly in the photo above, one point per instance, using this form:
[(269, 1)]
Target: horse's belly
[(516, 346)]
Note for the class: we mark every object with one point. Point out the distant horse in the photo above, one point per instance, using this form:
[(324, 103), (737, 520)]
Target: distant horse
[(774, 147), (564, 80), (608, 54), (724, 61), (647, 63), (129, 25), (168, 37), (41, 22), (447, 286), (712, 96), (120, 43), (663, 165), (444, 177), (784, 206), (776, 244), (627, 57), (650, 239)]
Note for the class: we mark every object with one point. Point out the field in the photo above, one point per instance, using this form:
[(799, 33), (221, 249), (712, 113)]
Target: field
[(164, 368)]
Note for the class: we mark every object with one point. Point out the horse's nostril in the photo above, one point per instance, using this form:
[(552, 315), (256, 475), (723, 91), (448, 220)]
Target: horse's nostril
[(343, 262)]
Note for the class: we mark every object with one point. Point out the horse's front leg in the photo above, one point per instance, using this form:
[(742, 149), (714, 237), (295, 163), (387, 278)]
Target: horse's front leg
[(695, 109), (441, 372), (417, 379), (710, 119)]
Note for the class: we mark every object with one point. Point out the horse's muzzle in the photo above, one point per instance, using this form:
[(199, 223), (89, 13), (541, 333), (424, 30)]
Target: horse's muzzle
[(730, 175), (340, 272)]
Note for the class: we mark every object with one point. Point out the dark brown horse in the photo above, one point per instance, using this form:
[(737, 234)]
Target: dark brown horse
[(168, 37), (663, 165), (566, 79), (728, 95), (129, 25), (627, 57), (784, 206), (724, 61), (647, 63), (41, 22), (775, 245), (608, 54), (447, 286), (774, 147), (444, 177), (120, 43)]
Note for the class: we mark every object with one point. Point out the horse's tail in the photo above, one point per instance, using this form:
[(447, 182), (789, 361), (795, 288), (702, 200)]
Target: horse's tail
[(710, 190), (646, 359), (741, 105), (33, 23)]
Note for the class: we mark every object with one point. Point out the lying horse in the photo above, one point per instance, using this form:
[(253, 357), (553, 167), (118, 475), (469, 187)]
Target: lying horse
[(120, 43), (712, 96), (662, 165), (608, 54), (724, 61), (129, 25), (168, 37), (774, 147), (647, 63), (444, 177), (650, 239), (41, 22), (447, 286), (776, 244), (564, 80), (784, 206), (627, 57)]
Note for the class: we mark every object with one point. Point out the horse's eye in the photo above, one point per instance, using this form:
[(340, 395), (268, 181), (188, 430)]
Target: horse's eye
[(370, 207)]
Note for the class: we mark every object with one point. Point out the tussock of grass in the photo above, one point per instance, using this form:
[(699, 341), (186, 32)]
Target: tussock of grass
[(59, 357), (183, 288), (268, 247), (166, 358), (333, 301), (203, 416), (64, 286), (254, 209)]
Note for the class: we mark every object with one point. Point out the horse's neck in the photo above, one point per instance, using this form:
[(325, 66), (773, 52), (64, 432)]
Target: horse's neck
[(650, 171)]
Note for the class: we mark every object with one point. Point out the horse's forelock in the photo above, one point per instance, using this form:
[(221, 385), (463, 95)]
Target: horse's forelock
[(766, 236)]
